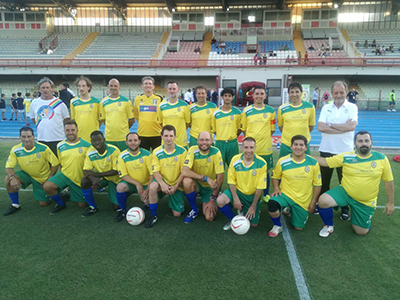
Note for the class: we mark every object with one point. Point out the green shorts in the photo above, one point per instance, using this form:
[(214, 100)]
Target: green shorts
[(361, 214), (132, 187), (269, 160), (246, 201), (112, 190), (121, 145), (175, 201), (299, 214), (63, 181), (205, 192), (228, 149), (285, 150), (38, 192)]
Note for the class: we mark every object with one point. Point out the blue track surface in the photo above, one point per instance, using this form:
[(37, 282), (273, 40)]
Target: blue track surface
[(384, 127)]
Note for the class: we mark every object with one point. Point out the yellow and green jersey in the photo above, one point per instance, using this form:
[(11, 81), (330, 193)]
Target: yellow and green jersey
[(145, 110), (209, 164), (201, 118), (105, 162), (35, 162), (72, 158), (86, 114), (296, 120), (169, 165), (116, 113), (136, 166), (298, 178), (258, 124), (225, 124), (27, 103), (177, 115), (362, 176), (248, 179)]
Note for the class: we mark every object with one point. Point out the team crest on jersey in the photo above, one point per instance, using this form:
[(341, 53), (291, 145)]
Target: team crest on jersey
[(152, 168), (179, 109), (119, 103), (80, 150), (208, 159), (141, 160), (254, 172), (108, 159), (38, 155), (154, 101), (232, 118), (208, 111), (319, 176), (354, 160), (175, 158), (307, 169), (373, 164), (221, 163), (91, 105), (186, 161), (303, 111), (264, 116)]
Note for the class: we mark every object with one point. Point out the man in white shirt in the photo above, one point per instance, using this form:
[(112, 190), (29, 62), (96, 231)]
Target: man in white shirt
[(49, 114), (188, 96), (337, 123)]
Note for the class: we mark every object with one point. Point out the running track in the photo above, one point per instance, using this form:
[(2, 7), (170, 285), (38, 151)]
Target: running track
[(384, 127)]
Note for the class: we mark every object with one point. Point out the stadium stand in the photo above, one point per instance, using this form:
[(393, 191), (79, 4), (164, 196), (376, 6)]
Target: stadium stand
[(239, 47), (275, 45), (122, 46), (383, 37), (317, 44), (186, 51)]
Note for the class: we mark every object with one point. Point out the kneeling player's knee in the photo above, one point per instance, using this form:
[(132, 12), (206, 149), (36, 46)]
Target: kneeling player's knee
[(273, 206), (360, 231), (82, 204), (253, 225), (298, 228), (324, 201), (122, 188), (48, 187), (187, 183), (154, 186), (176, 213), (86, 183)]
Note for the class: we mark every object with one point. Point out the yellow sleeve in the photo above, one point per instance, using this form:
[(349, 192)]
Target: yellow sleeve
[(72, 112), (218, 163), (51, 158), (102, 115), (121, 167), (159, 116), (182, 160), (213, 124), (114, 157), (59, 155), (148, 164), (155, 164), (189, 158), (387, 174), (238, 119), (277, 172), (88, 164), (335, 161), (136, 109), (232, 174), (317, 175), (187, 114), (280, 118), (311, 121), (262, 178), (129, 110), (273, 121), (12, 160), (243, 122)]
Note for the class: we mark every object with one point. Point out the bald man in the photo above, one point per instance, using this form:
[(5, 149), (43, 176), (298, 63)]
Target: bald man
[(117, 113), (203, 172)]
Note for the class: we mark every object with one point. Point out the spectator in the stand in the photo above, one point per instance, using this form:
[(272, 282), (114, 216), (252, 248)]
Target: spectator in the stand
[(299, 56), (365, 59), (378, 50), (287, 61), (373, 45), (383, 50), (229, 50), (286, 48), (255, 58), (366, 44), (306, 58), (322, 48), (358, 44), (271, 53), (213, 41), (311, 48), (315, 97), (281, 48), (222, 45), (66, 94), (391, 48), (326, 97), (234, 51), (265, 57), (327, 48)]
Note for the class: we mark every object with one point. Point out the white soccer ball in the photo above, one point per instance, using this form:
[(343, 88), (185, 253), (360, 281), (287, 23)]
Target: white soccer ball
[(240, 225), (135, 216)]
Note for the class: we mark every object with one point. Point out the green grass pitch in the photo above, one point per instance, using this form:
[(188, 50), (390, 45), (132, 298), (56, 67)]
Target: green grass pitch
[(69, 257)]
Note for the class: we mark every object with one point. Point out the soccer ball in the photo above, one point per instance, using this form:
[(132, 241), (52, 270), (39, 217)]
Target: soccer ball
[(240, 225), (135, 216)]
